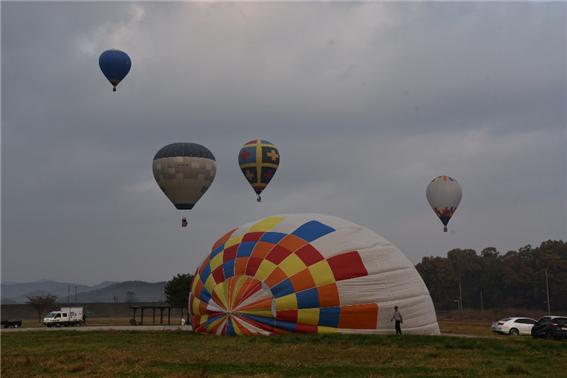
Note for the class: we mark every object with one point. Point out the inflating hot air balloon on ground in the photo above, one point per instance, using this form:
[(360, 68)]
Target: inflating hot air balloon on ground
[(184, 172), (307, 273), (444, 195), (115, 65), (259, 161)]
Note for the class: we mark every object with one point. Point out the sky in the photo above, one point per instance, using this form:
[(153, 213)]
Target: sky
[(367, 102)]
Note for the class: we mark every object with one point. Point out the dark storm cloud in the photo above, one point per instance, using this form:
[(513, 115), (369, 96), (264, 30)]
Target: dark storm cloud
[(367, 103)]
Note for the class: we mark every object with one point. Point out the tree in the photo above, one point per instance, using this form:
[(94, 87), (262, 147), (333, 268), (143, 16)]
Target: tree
[(514, 279), (438, 275), (40, 303), (177, 290)]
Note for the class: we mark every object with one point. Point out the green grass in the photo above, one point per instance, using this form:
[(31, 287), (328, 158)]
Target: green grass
[(176, 354)]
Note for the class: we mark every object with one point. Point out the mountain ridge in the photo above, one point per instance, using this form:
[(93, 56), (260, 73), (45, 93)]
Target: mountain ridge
[(105, 292)]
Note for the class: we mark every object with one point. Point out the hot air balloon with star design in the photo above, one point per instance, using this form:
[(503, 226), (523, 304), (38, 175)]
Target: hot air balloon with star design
[(444, 195), (115, 65), (259, 161), (184, 172)]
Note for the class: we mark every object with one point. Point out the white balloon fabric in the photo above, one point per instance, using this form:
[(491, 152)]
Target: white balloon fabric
[(444, 195), (307, 273)]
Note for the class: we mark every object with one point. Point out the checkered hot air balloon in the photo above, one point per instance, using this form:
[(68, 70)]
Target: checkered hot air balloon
[(444, 195), (259, 161), (184, 172), (307, 273)]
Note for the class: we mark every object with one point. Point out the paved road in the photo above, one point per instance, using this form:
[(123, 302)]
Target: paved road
[(102, 328)]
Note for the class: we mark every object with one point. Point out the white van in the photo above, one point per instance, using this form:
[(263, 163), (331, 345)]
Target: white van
[(66, 316)]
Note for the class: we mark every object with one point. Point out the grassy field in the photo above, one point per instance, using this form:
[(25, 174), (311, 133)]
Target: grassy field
[(176, 354), (469, 327)]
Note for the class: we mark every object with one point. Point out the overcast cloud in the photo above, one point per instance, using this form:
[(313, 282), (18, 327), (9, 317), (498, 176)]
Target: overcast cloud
[(367, 102)]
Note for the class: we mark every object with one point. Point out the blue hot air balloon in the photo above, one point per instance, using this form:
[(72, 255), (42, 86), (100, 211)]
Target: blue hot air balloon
[(115, 65)]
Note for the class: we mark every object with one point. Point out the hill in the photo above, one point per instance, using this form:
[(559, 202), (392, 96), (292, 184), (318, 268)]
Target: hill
[(14, 290), (105, 292), (140, 291)]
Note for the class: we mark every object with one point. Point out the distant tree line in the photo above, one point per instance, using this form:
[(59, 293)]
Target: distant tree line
[(494, 280)]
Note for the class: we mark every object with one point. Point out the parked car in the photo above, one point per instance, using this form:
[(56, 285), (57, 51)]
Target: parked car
[(11, 323), (513, 326), (551, 327)]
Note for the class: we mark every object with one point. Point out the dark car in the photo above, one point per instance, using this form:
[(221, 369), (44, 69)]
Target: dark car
[(11, 323), (551, 327)]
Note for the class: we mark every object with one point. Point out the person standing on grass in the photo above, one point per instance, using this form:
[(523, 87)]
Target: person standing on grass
[(399, 320)]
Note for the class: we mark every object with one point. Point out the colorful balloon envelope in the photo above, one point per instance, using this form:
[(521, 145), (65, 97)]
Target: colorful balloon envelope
[(115, 65), (307, 273), (444, 195), (184, 172), (259, 161)]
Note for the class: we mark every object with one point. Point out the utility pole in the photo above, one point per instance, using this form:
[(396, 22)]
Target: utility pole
[(75, 294), (481, 301), (68, 294), (547, 291), (460, 295)]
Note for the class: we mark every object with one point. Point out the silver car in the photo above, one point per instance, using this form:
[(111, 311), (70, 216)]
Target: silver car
[(513, 326)]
